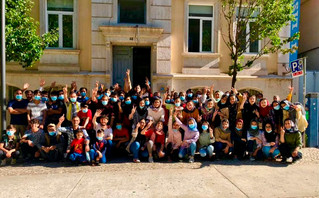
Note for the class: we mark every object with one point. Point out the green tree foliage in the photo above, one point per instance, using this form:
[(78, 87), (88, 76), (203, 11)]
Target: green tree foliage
[(268, 17), (23, 44)]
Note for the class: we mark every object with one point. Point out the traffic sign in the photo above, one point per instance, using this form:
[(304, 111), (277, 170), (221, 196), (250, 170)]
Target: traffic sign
[(296, 68)]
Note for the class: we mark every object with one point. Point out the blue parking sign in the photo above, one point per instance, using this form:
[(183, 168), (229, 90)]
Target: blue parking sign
[(296, 68)]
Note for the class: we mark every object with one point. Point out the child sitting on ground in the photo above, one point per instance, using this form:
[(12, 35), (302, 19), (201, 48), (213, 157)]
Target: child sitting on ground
[(77, 148), (159, 140), (97, 153), (9, 146)]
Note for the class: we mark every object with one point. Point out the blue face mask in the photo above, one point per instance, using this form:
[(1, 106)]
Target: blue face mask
[(107, 94), (222, 103), (61, 97), (147, 103), (73, 100), (45, 99), (277, 107), (104, 103), (182, 98), (167, 101), (84, 110), (99, 138), (37, 97), (134, 97), (195, 101), (19, 97), (192, 126), (10, 133), (54, 98), (204, 127), (113, 99), (238, 129), (286, 107), (190, 95), (177, 104), (121, 98), (52, 133), (175, 130), (128, 102), (99, 97), (118, 127), (253, 127), (172, 100), (141, 107), (269, 131), (83, 94), (218, 99)]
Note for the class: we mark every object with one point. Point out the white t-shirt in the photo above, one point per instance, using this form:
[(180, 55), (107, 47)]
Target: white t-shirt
[(108, 132), (37, 110)]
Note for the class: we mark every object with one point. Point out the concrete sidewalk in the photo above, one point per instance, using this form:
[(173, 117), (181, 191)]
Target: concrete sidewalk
[(200, 179)]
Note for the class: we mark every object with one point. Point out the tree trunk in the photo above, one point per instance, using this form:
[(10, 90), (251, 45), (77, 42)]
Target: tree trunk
[(234, 78)]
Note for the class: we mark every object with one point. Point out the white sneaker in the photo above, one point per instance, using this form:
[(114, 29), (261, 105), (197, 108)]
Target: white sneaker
[(191, 159), (252, 159), (150, 160), (289, 160), (3, 162)]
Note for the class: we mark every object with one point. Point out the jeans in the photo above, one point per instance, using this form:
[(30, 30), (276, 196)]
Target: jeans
[(14, 155), (94, 155), (51, 155), (172, 153), (108, 148), (219, 146), (191, 149), (27, 150), (135, 149), (206, 150), (267, 154), (239, 148), (286, 152), (77, 157)]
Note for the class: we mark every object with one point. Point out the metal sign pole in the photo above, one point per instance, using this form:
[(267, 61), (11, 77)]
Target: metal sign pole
[(3, 67), (304, 79)]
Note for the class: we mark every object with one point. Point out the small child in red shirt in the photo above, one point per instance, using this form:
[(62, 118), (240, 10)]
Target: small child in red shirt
[(159, 140), (120, 136), (77, 148)]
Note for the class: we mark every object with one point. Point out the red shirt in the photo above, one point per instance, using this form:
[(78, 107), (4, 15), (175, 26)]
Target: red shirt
[(160, 137), (83, 117), (120, 133), (77, 145)]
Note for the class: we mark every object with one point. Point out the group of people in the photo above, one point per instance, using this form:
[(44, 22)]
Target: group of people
[(55, 125)]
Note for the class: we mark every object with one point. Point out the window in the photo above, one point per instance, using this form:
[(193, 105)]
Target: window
[(132, 11), (200, 28), (60, 15), (248, 40)]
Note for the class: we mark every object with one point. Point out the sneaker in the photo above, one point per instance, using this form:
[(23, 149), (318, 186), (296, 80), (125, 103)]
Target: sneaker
[(136, 161), (252, 159), (13, 161), (290, 160), (191, 159), (150, 160), (3, 162)]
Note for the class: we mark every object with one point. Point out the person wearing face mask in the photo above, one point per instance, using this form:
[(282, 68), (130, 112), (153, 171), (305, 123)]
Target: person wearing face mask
[(44, 96), (155, 112), (54, 109), (250, 110), (120, 136), (52, 149), (270, 141), (206, 140), (72, 105), (85, 116), (254, 141), (174, 138), (296, 113), (189, 95), (18, 112), (83, 95), (276, 116), (9, 146), (290, 142), (207, 111), (37, 109), (127, 107), (138, 113), (191, 135), (239, 139), (97, 153), (223, 144), (190, 112)]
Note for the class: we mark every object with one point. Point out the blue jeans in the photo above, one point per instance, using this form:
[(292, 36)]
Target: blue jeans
[(94, 155), (135, 149), (77, 157), (191, 149), (219, 146), (206, 150), (108, 148), (267, 154)]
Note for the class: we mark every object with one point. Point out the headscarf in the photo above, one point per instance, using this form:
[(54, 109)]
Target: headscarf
[(270, 137), (253, 132), (293, 128), (264, 111), (239, 133), (195, 123), (156, 109), (221, 126)]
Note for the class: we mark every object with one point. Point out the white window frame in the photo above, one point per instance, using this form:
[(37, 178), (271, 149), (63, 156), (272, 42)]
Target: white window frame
[(60, 15), (201, 28), (247, 37)]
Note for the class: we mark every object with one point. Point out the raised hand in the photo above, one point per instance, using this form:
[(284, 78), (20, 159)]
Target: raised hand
[(65, 89), (26, 86), (128, 72), (133, 110), (291, 89), (53, 84), (42, 82), (73, 85), (98, 113), (61, 119), (97, 84), (234, 90)]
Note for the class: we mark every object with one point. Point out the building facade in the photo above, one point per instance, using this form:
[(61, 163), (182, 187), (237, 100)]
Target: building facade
[(175, 43)]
